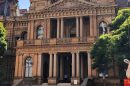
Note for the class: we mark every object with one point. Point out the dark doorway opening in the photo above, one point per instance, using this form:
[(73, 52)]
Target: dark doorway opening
[(45, 66), (65, 67), (83, 65), (53, 28)]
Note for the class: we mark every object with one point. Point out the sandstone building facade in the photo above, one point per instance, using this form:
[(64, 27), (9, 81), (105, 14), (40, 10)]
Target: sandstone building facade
[(53, 40)]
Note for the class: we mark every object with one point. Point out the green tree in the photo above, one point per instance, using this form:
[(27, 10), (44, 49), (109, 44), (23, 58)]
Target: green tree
[(3, 47), (113, 48), (3, 43)]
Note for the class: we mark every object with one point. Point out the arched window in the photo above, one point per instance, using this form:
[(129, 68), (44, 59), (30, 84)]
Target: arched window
[(24, 35), (39, 34), (28, 67), (102, 28)]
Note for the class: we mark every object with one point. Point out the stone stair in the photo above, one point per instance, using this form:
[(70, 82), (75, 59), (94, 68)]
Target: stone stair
[(17, 82)]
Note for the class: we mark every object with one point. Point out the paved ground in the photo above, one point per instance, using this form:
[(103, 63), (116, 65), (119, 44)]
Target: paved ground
[(60, 84)]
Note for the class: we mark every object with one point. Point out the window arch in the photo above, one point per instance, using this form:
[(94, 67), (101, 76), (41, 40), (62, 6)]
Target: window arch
[(102, 28), (39, 32), (24, 35), (28, 67)]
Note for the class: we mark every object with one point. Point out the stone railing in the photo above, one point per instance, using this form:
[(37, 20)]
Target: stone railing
[(54, 41)]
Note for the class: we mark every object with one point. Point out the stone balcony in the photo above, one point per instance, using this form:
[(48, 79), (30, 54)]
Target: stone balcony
[(60, 41)]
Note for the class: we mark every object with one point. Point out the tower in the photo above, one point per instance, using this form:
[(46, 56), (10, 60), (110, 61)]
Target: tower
[(13, 5), (8, 7)]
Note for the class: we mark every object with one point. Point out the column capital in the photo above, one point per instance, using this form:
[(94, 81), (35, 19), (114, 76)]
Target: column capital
[(80, 16), (73, 52), (50, 52), (77, 16), (53, 52), (78, 52), (89, 52), (39, 53)]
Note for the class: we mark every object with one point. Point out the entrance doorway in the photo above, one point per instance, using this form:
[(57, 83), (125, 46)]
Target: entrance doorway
[(65, 67), (83, 65), (45, 66)]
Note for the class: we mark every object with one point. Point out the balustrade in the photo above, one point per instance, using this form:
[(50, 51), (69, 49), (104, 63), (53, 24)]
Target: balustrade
[(55, 41)]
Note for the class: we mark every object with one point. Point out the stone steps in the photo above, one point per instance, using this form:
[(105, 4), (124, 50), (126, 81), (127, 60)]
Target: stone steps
[(60, 84)]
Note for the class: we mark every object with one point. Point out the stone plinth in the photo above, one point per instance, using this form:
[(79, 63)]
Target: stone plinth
[(75, 80), (52, 81)]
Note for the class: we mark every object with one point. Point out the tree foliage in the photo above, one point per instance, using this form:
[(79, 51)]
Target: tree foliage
[(3, 47), (3, 43), (113, 48)]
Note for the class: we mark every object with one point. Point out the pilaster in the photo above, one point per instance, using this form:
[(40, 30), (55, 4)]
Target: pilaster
[(48, 28), (39, 74), (16, 66), (89, 66)]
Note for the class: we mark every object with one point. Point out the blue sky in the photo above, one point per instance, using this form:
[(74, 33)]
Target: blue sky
[(24, 4)]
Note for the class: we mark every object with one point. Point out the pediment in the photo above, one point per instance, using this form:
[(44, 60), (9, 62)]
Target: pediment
[(71, 4)]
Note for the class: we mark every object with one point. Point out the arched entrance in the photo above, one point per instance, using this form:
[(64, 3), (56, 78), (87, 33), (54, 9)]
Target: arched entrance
[(65, 67), (28, 67)]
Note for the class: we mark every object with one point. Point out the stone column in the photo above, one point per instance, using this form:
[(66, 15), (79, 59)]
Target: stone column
[(89, 66), (91, 26), (81, 27), (77, 26), (58, 28), (52, 80), (73, 65), (77, 65), (77, 76), (62, 28), (55, 66), (39, 68), (50, 65)]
